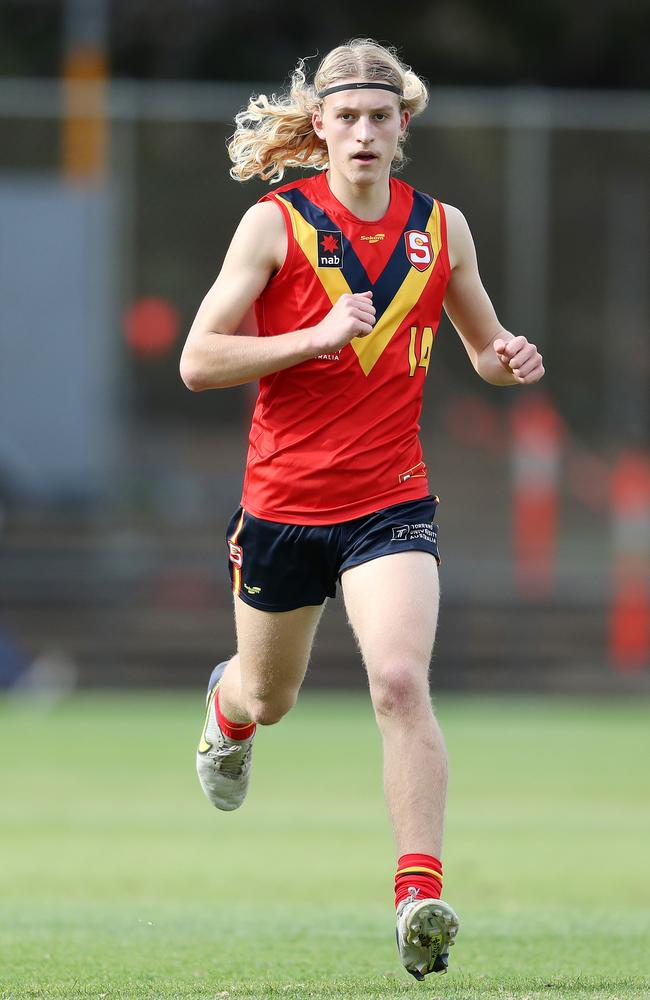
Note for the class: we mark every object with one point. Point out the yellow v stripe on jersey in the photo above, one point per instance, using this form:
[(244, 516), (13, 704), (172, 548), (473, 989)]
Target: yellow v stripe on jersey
[(399, 286), (369, 349)]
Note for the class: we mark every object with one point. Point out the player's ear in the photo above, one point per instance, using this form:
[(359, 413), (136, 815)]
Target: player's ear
[(317, 122), (405, 117)]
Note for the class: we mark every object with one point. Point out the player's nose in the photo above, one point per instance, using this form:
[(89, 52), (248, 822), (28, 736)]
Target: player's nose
[(364, 131)]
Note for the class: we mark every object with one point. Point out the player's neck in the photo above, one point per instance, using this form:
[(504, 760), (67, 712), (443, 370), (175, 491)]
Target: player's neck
[(367, 201)]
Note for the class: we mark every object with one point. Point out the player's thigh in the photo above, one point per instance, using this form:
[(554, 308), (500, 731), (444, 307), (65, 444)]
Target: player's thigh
[(274, 646), (392, 605)]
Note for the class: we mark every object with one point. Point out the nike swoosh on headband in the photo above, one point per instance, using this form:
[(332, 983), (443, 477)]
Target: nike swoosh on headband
[(360, 86)]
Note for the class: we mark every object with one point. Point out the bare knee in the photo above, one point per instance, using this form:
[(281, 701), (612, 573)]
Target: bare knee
[(267, 709), (400, 689)]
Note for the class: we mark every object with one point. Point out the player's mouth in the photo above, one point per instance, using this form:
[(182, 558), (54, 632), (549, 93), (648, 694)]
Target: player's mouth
[(365, 157)]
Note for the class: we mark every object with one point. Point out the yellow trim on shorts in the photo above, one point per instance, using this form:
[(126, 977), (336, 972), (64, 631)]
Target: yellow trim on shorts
[(236, 577)]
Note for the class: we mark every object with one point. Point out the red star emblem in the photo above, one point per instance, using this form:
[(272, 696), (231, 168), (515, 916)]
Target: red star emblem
[(329, 243)]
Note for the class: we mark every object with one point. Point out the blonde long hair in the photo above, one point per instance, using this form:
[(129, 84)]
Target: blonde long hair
[(276, 132)]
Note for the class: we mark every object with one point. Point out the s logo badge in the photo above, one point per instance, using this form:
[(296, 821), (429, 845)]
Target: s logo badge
[(418, 249)]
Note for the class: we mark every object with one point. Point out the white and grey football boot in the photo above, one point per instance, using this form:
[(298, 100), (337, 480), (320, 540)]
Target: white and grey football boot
[(426, 930), (223, 765)]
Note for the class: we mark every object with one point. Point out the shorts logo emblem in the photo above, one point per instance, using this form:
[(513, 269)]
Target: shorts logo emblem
[(252, 590), (236, 554), (418, 249), (330, 248), (425, 531)]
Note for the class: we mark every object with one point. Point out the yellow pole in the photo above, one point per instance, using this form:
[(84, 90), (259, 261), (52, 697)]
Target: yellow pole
[(84, 138)]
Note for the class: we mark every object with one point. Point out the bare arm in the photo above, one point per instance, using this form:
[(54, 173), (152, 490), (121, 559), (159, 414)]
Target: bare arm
[(213, 358), (497, 355)]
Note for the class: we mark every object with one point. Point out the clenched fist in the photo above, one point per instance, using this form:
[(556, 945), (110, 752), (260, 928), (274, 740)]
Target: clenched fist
[(351, 316), (520, 358)]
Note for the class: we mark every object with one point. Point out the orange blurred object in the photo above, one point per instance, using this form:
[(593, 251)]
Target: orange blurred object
[(629, 620), (151, 327), (536, 439), (85, 131)]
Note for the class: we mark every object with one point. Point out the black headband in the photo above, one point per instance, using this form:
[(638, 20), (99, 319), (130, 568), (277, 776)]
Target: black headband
[(361, 86)]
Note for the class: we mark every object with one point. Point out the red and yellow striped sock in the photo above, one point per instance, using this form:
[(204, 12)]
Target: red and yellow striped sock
[(233, 730), (422, 872)]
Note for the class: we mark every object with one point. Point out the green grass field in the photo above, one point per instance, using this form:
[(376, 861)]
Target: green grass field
[(117, 880)]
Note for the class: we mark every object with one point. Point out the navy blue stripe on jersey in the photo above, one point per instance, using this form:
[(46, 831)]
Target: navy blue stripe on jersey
[(353, 270), (398, 265)]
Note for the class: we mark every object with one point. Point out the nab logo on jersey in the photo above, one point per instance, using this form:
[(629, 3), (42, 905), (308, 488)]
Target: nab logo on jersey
[(330, 248), (418, 249)]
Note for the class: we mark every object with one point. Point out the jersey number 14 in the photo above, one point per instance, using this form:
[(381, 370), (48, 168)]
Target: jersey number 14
[(426, 343)]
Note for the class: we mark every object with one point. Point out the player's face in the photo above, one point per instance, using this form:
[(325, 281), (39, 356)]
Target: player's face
[(361, 129)]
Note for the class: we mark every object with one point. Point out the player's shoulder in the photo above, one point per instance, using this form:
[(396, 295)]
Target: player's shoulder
[(268, 209), (263, 219), (457, 225), (260, 238), (454, 214), (460, 243), (262, 230)]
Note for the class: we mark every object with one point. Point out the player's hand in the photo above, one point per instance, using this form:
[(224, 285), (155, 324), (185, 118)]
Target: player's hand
[(352, 316), (520, 358)]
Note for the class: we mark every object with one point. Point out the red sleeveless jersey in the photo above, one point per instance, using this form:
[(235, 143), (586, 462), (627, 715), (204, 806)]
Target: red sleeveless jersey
[(336, 437)]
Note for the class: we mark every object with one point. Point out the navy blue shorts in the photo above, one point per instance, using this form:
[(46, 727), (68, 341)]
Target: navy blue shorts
[(280, 567)]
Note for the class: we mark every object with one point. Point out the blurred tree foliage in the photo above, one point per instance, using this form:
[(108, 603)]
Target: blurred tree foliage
[(599, 43)]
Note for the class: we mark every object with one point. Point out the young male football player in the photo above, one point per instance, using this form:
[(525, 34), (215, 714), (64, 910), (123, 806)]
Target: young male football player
[(346, 272)]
